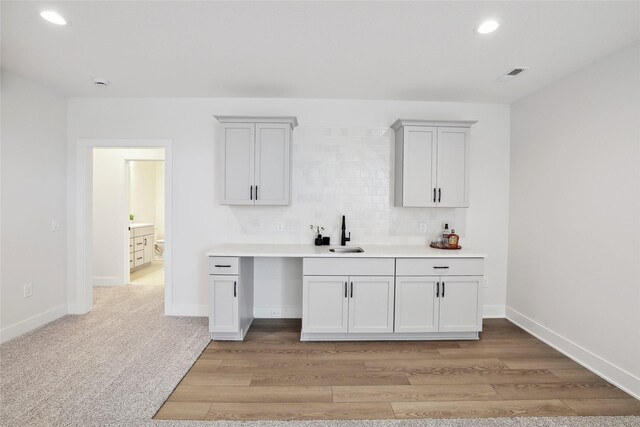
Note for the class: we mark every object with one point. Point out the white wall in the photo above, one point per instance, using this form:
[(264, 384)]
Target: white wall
[(33, 194), (334, 139), (159, 201), (574, 235), (110, 245)]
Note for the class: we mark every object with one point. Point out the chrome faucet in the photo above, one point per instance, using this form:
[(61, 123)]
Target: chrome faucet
[(344, 239)]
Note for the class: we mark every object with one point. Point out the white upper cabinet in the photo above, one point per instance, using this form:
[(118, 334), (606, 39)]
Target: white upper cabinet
[(239, 163), (432, 163), (272, 165), (256, 160)]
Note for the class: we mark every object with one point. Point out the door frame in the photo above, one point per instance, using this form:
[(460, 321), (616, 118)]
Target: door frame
[(81, 257)]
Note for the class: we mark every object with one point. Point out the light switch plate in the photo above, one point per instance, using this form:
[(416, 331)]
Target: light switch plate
[(55, 225), (28, 290), (280, 226)]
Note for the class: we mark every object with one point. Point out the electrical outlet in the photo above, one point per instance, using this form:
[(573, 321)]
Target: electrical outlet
[(28, 290), (276, 312), (55, 225), (485, 282), (280, 226), (423, 227)]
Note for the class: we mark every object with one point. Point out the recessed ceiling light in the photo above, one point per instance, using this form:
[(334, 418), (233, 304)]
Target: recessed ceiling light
[(53, 17), (487, 27)]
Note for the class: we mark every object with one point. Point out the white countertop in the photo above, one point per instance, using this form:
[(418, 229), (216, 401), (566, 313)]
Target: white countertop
[(370, 251), (140, 224)]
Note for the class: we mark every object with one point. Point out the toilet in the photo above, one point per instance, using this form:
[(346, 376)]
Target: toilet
[(159, 248)]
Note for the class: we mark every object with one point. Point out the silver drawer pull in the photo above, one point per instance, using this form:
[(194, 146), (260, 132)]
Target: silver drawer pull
[(222, 266), (440, 267), (139, 258)]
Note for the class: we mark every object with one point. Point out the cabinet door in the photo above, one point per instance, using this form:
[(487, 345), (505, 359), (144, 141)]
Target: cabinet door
[(223, 303), (460, 304), (148, 248), (238, 159), (419, 172), (371, 304), (324, 304), (452, 170), (273, 164), (416, 304)]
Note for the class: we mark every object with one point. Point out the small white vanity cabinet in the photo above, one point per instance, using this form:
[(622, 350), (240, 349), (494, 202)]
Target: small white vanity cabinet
[(438, 295), (432, 163), (230, 297), (256, 160), (141, 241), (346, 295)]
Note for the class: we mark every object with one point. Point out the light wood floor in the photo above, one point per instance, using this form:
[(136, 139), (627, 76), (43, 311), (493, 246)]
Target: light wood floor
[(272, 375), (151, 275)]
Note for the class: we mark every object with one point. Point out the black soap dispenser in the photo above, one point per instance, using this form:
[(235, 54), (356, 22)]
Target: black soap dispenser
[(318, 240)]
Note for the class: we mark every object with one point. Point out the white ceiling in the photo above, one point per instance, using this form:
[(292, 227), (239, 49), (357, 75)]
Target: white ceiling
[(356, 50)]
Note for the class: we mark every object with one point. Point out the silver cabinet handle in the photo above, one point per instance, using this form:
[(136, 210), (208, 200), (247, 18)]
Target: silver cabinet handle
[(222, 266)]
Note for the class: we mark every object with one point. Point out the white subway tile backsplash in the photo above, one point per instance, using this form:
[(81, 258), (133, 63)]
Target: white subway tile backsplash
[(342, 171)]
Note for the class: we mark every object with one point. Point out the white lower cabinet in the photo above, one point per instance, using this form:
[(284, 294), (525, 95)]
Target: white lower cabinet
[(230, 298), (358, 304), (416, 304), (371, 304), (460, 304), (223, 302), (438, 304), (141, 241), (325, 304)]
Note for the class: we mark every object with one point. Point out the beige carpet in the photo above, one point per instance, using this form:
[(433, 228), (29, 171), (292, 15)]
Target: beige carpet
[(116, 365)]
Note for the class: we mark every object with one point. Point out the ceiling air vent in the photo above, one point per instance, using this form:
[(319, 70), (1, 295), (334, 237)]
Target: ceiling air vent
[(511, 74), (515, 71)]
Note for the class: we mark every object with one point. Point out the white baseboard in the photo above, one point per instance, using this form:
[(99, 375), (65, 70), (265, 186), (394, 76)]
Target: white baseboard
[(33, 322), (188, 310), (107, 281), (610, 372), (286, 311), (493, 312)]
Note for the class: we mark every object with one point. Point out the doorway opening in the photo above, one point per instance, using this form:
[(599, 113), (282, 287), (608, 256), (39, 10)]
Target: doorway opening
[(114, 239), (146, 222), (128, 216)]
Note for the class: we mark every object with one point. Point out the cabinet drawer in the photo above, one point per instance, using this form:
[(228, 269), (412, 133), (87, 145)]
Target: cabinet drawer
[(439, 266), (348, 266), (223, 265), (143, 231), (138, 258), (138, 244)]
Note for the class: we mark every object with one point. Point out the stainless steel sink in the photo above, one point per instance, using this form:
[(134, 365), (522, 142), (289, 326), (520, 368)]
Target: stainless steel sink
[(349, 250)]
